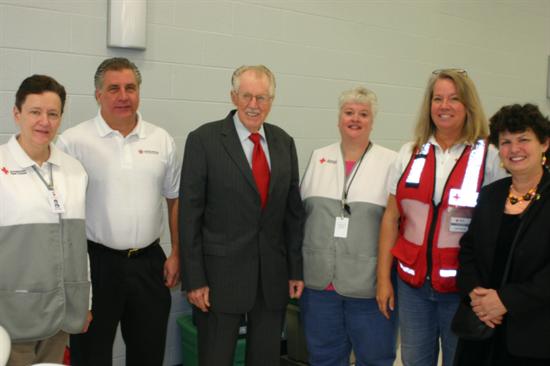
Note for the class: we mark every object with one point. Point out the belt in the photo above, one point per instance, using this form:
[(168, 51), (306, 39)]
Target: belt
[(127, 253)]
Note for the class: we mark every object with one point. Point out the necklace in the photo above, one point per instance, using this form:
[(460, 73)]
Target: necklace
[(526, 197)]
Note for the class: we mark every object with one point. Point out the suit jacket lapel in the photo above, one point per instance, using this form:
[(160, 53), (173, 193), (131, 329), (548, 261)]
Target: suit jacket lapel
[(497, 208), (275, 155), (535, 206), (234, 148)]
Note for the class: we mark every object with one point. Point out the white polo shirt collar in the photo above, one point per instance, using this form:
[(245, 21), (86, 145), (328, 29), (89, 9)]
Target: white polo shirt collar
[(24, 161), (103, 129), (454, 150)]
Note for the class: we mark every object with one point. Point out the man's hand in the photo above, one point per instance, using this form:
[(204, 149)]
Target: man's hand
[(295, 288), (200, 298), (172, 270), (89, 318)]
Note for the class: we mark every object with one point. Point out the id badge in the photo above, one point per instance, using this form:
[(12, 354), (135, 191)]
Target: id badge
[(56, 204), (341, 227), (459, 219)]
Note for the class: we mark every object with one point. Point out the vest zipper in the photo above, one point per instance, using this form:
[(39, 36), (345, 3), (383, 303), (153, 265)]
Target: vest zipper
[(435, 215), (62, 242), (433, 224)]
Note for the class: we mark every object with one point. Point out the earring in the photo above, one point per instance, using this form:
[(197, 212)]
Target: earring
[(501, 164), (543, 161)]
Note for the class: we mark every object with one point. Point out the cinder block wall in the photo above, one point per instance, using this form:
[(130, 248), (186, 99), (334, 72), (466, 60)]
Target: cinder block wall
[(316, 49)]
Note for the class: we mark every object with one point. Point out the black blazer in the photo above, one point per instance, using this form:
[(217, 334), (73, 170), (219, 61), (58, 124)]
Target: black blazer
[(527, 292), (227, 242)]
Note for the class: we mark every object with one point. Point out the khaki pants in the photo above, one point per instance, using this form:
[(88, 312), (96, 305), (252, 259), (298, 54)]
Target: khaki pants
[(43, 351)]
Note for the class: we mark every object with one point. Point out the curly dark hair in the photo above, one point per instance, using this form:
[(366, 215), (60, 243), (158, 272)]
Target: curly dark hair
[(519, 118)]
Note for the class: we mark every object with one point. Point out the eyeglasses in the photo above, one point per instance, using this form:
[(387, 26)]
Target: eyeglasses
[(458, 71), (261, 99)]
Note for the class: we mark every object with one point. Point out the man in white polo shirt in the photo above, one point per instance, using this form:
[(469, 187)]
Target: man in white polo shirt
[(132, 166)]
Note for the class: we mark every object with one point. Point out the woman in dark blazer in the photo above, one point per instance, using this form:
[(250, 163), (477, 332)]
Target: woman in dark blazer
[(512, 209)]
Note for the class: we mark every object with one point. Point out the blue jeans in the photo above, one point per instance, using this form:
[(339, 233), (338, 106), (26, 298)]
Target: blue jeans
[(425, 315), (334, 324)]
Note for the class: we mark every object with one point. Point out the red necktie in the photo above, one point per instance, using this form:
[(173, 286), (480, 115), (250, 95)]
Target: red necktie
[(260, 169)]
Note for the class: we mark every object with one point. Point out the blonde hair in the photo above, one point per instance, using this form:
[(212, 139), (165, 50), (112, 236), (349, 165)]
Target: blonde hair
[(475, 126), (359, 95), (259, 70)]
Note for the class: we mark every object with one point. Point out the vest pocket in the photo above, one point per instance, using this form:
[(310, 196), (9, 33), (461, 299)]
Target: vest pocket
[(77, 297), (31, 315), (318, 267), (444, 271), (356, 275), (408, 258)]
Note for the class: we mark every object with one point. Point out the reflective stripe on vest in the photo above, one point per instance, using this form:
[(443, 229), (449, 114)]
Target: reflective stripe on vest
[(466, 196), (418, 165), (406, 269), (447, 272)]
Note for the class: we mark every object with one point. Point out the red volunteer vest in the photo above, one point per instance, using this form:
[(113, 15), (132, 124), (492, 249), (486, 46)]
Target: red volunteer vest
[(424, 226)]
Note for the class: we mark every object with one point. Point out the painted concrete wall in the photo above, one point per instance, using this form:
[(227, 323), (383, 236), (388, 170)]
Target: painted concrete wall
[(315, 48)]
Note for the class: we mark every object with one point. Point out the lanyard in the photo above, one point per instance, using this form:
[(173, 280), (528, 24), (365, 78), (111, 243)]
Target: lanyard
[(49, 186), (347, 184), (56, 204)]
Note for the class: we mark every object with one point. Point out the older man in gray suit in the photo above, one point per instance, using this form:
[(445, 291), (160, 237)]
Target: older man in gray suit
[(241, 219)]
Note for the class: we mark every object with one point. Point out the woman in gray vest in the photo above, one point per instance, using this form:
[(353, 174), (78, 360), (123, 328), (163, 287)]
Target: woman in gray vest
[(44, 287), (344, 193)]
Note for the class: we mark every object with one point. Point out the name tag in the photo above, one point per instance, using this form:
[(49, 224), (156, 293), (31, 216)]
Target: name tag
[(341, 227), (56, 204), (459, 224)]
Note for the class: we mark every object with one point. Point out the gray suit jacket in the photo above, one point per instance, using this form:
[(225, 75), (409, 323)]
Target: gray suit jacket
[(227, 241)]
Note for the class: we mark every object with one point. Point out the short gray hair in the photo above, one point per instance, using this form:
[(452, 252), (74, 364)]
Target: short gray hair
[(115, 64), (259, 70), (360, 95)]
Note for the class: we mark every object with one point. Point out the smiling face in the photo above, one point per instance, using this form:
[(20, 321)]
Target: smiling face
[(38, 120), (521, 152), (118, 97), (447, 111), (355, 122), (252, 100)]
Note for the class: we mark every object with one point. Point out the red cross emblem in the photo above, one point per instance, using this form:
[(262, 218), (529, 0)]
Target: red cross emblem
[(4, 170), (322, 160), (456, 196)]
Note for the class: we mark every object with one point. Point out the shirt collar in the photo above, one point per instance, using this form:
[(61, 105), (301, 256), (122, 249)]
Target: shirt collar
[(459, 146), (103, 129), (243, 131), (24, 161)]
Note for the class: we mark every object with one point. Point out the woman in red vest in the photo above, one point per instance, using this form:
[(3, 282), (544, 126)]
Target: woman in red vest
[(434, 186), (511, 221)]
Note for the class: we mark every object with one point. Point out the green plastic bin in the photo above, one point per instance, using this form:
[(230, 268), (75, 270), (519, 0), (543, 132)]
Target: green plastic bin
[(190, 350)]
